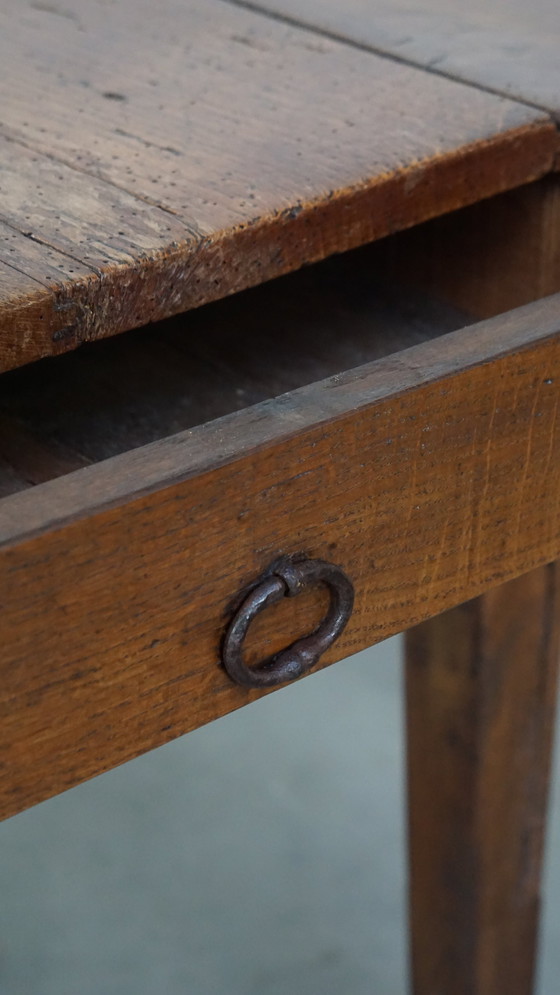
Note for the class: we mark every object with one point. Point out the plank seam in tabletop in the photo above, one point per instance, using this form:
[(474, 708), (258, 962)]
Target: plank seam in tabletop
[(7, 134), (17, 269), (363, 46), (423, 147), (322, 30), (300, 25), (47, 244)]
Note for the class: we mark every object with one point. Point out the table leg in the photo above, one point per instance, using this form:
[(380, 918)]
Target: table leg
[(481, 689)]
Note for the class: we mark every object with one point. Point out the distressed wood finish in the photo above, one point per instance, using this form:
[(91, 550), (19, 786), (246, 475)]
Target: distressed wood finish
[(428, 476), (507, 46), (158, 157), (481, 694)]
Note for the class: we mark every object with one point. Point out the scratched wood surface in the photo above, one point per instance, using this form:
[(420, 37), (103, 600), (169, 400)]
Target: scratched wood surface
[(155, 157), (507, 46), (429, 476)]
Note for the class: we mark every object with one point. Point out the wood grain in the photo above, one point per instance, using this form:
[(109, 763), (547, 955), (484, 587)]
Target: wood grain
[(155, 158), (429, 476), (481, 695), (506, 46)]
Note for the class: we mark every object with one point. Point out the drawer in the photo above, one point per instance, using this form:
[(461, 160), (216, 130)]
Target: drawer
[(357, 411)]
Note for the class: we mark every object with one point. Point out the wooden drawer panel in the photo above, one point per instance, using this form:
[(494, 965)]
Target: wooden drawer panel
[(429, 473)]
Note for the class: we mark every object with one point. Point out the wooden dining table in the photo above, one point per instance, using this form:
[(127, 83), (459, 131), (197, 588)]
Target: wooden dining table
[(280, 378)]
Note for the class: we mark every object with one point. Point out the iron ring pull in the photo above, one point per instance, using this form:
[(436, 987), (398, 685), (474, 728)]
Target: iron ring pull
[(287, 578)]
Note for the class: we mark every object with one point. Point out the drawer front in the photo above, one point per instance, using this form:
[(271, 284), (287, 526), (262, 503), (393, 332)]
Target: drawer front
[(427, 476)]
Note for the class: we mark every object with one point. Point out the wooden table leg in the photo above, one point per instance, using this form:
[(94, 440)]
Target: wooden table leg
[(481, 688)]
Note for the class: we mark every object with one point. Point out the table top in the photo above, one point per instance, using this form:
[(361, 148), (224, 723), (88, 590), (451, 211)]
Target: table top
[(504, 46), (156, 157)]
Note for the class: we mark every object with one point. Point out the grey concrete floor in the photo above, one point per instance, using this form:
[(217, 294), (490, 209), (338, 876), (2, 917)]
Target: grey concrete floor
[(261, 855)]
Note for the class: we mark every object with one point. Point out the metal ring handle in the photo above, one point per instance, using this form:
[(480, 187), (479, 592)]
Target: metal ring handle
[(287, 578)]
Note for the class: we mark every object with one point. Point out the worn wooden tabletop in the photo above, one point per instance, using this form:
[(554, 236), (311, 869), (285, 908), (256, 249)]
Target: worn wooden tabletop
[(504, 46), (155, 157)]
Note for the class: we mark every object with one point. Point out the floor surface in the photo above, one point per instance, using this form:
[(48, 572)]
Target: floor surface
[(261, 855)]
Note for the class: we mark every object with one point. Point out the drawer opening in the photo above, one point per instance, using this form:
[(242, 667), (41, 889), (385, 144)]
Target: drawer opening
[(113, 396), (109, 397)]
